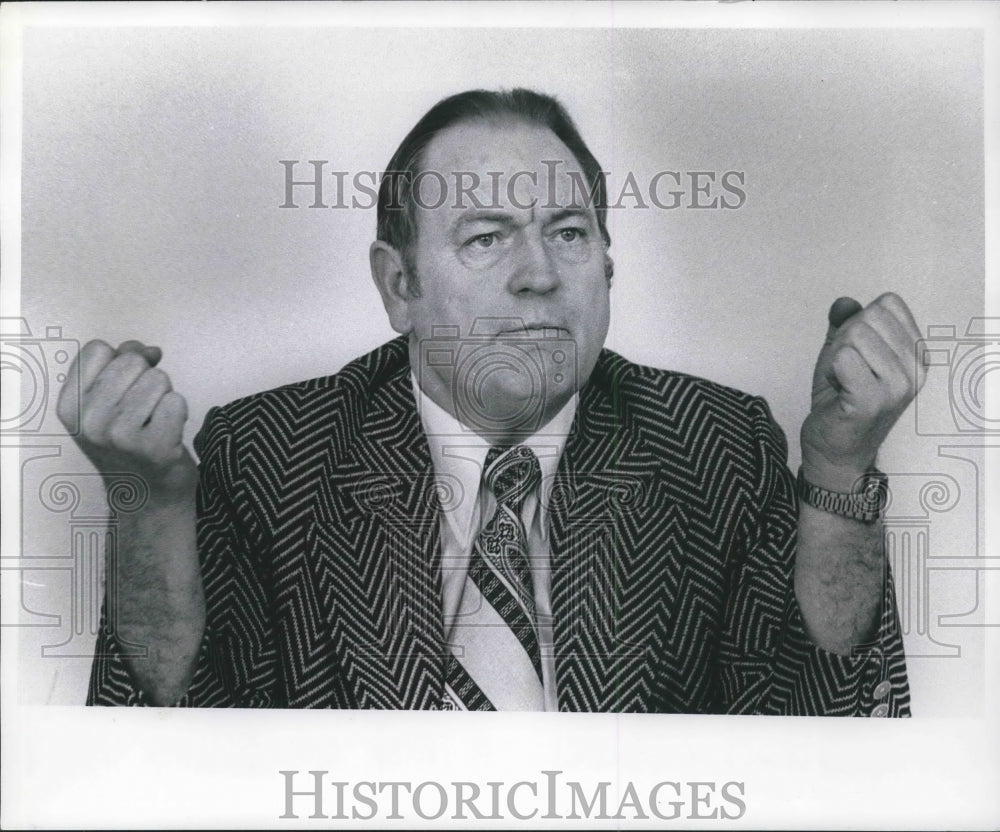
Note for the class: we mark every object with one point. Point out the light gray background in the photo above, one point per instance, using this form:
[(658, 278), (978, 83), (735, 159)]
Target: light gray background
[(150, 197)]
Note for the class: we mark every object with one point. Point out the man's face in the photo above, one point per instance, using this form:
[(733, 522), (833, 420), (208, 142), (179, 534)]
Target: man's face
[(515, 268)]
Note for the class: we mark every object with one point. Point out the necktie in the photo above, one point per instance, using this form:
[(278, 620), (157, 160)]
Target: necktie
[(494, 661)]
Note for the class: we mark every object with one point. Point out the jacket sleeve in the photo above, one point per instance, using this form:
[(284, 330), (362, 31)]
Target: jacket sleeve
[(235, 665), (768, 665)]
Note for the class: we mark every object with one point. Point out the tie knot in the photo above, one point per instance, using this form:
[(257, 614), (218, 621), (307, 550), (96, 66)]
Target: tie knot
[(511, 474)]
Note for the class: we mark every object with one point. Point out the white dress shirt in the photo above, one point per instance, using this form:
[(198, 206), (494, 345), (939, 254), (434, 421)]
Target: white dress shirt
[(458, 454)]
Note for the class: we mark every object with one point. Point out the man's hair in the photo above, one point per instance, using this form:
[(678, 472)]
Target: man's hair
[(396, 222)]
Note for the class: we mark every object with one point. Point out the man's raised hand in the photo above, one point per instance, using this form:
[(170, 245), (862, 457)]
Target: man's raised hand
[(127, 418), (867, 374)]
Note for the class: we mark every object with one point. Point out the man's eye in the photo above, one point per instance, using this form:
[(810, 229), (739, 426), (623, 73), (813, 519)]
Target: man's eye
[(570, 235), (483, 240)]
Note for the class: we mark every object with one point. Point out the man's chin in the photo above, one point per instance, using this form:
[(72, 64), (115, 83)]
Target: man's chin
[(512, 412)]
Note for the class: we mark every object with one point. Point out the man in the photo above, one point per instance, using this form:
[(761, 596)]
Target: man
[(492, 511)]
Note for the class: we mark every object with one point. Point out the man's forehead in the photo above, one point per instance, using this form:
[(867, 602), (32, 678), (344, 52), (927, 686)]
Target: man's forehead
[(505, 146), (505, 163)]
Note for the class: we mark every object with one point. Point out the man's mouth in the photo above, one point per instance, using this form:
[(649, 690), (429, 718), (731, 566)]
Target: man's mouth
[(535, 330)]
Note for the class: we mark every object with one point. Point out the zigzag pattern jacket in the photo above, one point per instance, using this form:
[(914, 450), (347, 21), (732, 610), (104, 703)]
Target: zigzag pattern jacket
[(672, 528)]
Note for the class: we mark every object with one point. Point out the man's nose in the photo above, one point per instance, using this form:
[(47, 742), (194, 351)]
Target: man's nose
[(534, 269)]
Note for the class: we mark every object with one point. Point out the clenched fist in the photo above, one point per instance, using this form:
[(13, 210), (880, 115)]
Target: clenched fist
[(130, 419), (866, 375)]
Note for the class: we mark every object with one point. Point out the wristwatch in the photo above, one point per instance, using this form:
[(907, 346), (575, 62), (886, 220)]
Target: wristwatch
[(866, 504)]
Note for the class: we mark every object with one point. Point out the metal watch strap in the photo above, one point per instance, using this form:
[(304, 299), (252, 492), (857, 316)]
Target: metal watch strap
[(865, 505)]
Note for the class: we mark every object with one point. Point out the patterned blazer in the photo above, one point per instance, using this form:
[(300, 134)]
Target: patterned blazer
[(672, 529)]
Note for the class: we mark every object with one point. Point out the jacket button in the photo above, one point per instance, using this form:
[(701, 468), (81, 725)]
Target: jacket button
[(880, 710), (882, 689)]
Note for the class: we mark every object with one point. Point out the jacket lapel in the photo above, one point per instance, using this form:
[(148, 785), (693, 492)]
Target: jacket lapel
[(377, 557), (617, 544)]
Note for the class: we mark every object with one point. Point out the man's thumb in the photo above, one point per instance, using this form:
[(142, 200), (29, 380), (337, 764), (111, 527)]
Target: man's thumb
[(151, 354), (840, 311)]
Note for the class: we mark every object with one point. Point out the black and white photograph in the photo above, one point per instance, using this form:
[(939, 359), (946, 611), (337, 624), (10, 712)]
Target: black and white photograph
[(620, 374)]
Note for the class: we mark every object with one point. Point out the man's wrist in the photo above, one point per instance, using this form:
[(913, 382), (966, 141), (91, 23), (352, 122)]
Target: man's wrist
[(165, 489), (844, 479), (863, 500)]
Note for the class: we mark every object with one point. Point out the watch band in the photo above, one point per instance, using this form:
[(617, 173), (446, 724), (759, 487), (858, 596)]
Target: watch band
[(865, 505)]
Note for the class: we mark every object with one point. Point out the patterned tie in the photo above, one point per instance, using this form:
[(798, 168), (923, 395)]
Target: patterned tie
[(495, 662)]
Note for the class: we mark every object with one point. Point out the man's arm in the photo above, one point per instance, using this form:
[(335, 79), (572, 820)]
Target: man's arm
[(131, 422), (866, 376), (768, 663), (839, 578)]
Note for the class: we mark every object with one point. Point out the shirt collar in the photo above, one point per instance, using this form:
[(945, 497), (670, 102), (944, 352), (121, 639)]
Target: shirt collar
[(458, 454)]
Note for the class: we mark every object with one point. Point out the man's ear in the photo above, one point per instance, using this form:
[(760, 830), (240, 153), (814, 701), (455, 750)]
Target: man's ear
[(393, 283)]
